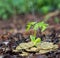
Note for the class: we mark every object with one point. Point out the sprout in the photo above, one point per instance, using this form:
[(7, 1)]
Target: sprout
[(35, 40)]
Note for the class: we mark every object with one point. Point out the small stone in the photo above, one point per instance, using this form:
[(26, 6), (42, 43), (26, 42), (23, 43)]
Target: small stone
[(33, 49), (24, 54)]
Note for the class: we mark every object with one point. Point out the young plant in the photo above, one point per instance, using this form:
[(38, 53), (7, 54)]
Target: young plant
[(35, 40), (37, 25)]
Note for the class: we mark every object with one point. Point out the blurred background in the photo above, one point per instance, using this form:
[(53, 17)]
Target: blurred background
[(15, 14)]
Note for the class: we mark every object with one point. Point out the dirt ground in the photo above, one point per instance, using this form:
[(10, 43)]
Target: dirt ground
[(19, 23)]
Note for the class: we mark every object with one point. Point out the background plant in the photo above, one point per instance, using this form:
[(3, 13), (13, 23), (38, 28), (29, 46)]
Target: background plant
[(56, 20), (10, 8)]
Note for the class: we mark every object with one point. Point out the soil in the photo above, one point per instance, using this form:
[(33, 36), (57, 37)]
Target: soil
[(14, 39), (12, 33), (21, 20)]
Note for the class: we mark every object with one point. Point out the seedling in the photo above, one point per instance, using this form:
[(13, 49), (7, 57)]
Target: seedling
[(37, 25), (35, 40)]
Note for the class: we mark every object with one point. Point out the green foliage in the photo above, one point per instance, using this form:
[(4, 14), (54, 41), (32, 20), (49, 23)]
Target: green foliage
[(45, 6), (40, 25), (37, 25), (57, 20), (45, 9), (10, 7), (5, 9), (32, 38), (29, 25), (35, 40)]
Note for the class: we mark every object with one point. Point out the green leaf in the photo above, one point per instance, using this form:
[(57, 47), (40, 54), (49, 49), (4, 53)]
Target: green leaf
[(42, 25), (59, 6), (43, 28), (38, 40), (40, 2), (29, 25), (36, 26), (32, 38), (5, 16), (45, 9)]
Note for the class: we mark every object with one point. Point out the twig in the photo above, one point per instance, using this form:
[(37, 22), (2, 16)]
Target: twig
[(52, 14)]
